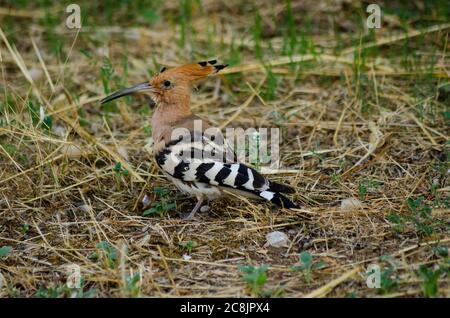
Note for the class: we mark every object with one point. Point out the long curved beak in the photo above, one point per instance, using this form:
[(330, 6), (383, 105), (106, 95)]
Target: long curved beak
[(127, 91)]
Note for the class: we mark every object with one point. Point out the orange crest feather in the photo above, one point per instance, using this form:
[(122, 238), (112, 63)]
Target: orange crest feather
[(196, 71)]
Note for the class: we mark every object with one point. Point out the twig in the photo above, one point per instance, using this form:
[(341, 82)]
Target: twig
[(325, 289)]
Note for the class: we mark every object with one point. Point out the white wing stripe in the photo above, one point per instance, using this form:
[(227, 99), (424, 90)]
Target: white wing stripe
[(190, 174), (232, 176), (171, 162), (211, 173), (249, 183)]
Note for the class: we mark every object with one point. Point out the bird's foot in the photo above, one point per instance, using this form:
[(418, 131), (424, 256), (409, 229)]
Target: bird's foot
[(191, 216), (188, 216), (197, 206)]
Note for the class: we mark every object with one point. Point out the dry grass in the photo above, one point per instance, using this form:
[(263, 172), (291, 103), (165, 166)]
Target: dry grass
[(360, 117)]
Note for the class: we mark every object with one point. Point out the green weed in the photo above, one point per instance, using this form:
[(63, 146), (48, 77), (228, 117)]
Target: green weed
[(307, 266), (255, 277), (5, 251), (108, 251), (161, 207)]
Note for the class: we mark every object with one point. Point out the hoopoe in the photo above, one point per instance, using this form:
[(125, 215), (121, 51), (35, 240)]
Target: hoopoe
[(181, 142)]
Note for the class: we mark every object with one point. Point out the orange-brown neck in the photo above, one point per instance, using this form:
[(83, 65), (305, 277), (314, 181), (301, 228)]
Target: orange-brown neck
[(166, 114)]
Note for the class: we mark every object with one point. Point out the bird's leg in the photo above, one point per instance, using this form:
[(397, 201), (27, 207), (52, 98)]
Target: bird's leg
[(194, 210)]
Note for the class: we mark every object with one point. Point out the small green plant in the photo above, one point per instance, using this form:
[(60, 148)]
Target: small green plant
[(335, 178), (388, 275), (107, 72), (430, 280), (389, 280), (162, 206), (63, 291), (34, 113), (53, 292), (257, 35), (315, 153), (88, 55), (234, 55), (441, 251), (255, 277), (362, 190), (307, 266), (25, 228), (352, 295), (365, 184), (109, 251), (15, 153), (272, 83), (109, 79), (188, 246), (4, 251), (398, 222), (419, 215), (290, 32), (147, 130), (186, 8), (56, 41), (119, 173), (46, 123), (82, 118), (254, 150), (151, 15), (132, 286), (119, 170)]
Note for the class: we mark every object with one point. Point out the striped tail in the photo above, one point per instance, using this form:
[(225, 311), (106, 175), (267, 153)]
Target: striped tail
[(278, 199), (279, 187)]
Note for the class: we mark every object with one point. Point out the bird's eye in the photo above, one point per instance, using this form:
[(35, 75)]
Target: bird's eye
[(167, 83)]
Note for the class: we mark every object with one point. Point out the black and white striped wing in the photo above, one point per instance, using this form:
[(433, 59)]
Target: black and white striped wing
[(182, 161)]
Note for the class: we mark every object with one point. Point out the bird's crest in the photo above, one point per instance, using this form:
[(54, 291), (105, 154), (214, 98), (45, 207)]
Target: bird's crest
[(171, 85), (194, 71)]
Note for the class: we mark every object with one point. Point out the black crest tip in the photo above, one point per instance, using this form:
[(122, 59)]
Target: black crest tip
[(220, 67)]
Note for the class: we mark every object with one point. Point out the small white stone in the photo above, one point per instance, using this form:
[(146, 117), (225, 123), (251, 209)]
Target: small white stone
[(187, 257), (133, 35), (204, 208), (123, 152), (225, 98), (102, 51), (145, 202), (144, 240), (35, 73), (277, 239), (84, 208), (96, 127), (71, 151), (59, 131), (351, 204)]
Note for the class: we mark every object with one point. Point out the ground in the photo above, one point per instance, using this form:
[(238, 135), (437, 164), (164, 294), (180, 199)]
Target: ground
[(364, 119)]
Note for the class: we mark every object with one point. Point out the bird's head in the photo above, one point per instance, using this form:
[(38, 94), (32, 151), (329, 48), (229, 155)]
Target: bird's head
[(171, 86)]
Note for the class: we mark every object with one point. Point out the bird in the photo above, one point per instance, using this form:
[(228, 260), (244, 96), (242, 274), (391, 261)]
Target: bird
[(200, 163)]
